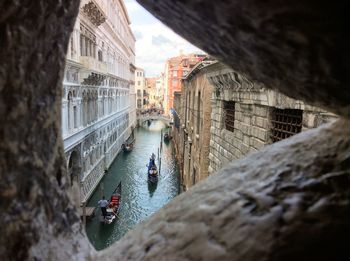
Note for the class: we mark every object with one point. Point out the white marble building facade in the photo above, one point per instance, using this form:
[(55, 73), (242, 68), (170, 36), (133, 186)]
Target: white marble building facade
[(97, 115), (140, 85)]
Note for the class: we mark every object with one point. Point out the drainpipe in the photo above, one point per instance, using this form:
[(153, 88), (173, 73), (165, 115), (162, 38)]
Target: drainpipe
[(189, 156), (184, 142)]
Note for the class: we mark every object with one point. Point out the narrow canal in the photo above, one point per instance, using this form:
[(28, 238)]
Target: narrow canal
[(139, 200)]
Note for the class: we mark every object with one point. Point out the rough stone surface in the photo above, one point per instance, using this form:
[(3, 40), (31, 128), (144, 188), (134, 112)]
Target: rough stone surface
[(254, 106), (36, 216), (289, 201), (298, 48), (198, 127)]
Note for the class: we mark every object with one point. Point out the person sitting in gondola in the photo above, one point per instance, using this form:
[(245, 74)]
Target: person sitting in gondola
[(114, 200), (153, 171)]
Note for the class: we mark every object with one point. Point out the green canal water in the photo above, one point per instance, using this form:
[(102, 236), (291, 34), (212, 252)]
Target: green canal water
[(139, 199)]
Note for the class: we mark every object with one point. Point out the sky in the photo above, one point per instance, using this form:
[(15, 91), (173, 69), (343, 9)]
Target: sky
[(155, 42)]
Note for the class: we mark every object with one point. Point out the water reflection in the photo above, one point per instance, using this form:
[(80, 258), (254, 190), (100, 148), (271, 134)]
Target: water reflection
[(139, 198), (152, 188)]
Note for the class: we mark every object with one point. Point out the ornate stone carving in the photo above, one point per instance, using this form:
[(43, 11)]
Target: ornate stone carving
[(72, 75), (231, 80), (94, 79), (94, 13)]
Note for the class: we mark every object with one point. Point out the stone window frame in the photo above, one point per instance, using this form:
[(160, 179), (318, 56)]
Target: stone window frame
[(100, 55), (174, 82), (229, 107), (285, 123), (87, 42)]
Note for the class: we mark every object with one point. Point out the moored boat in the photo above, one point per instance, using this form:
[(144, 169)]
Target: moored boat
[(113, 208), (167, 137), (128, 145)]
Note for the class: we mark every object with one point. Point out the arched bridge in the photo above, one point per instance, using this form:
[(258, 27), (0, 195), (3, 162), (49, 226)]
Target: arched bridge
[(142, 118)]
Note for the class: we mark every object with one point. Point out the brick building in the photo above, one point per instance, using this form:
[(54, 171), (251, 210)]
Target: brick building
[(152, 91), (175, 69), (222, 116)]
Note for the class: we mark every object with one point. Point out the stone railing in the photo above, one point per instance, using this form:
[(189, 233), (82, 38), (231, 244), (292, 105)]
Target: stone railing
[(92, 179), (93, 64)]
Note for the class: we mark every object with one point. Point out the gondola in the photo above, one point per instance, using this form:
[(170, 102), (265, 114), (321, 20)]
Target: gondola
[(128, 145), (152, 171), (114, 206), (167, 137), (153, 174)]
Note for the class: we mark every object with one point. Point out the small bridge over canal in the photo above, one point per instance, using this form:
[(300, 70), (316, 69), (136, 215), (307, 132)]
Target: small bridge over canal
[(149, 117)]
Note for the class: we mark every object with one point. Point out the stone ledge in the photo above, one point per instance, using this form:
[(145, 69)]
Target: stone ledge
[(239, 211)]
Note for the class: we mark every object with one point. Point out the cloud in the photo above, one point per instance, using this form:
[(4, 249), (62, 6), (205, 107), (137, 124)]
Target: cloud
[(155, 42), (159, 40), (132, 6), (138, 35)]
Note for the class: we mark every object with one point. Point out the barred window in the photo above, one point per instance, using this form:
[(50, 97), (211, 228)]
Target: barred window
[(285, 123), (229, 108)]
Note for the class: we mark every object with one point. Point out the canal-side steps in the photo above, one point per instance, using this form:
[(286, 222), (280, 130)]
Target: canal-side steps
[(89, 212)]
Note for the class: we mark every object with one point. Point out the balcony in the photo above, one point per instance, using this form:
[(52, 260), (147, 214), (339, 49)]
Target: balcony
[(132, 67), (94, 65)]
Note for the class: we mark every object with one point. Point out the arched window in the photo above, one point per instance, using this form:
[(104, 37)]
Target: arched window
[(73, 168), (70, 111)]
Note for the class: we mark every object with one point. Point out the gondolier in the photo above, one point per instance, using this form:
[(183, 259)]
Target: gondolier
[(152, 171), (103, 203), (110, 209)]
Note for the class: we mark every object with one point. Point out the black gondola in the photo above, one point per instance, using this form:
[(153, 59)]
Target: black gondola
[(113, 208), (128, 145), (167, 137), (152, 171)]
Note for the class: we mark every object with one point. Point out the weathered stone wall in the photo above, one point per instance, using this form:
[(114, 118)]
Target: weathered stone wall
[(197, 127), (39, 221), (253, 113), (276, 204), (297, 48), (289, 201)]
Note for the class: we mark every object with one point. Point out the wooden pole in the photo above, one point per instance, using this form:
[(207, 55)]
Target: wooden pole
[(158, 155), (102, 189), (84, 214)]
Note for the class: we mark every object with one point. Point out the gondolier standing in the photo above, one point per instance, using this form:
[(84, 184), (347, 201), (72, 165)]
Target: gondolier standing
[(103, 203)]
